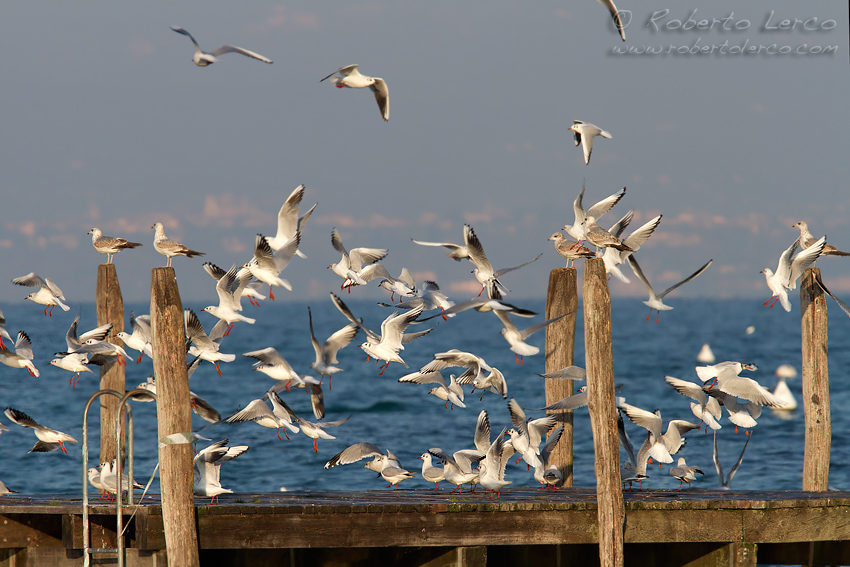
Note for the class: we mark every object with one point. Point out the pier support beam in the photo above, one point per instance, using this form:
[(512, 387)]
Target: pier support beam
[(173, 416), (601, 404), (561, 299), (815, 346), (110, 309)]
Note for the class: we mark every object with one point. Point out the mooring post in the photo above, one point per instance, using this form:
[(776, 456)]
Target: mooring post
[(815, 346), (601, 404), (561, 299), (173, 416), (110, 309)]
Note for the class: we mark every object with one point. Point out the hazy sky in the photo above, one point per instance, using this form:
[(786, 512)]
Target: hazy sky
[(106, 122)]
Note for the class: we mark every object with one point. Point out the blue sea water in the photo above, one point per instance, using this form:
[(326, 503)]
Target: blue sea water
[(403, 418)]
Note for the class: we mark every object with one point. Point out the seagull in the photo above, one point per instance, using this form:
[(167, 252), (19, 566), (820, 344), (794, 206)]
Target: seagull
[(474, 366), (584, 132), (393, 474), (545, 474), (729, 382), (100, 348), (371, 335), (457, 467), (567, 373), (429, 297), (455, 251), (5, 490), (206, 347), (76, 361), (207, 468), (615, 15), (483, 305), (48, 439), (251, 290), (258, 412), (452, 393), (577, 229), (48, 293), (168, 247), (288, 221), (94, 480), (704, 407), (140, 338), (313, 430), (790, 268), (21, 357), (109, 480), (684, 473), (808, 239), (359, 451), (389, 344), (4, 334), (570, 250), (492, 467), (742, 415), (725, 481), (613, 258), (651, 421), (273, 365), (430, 472), (602, 238), (527, 434), (351, 77), (656, 301), (516, 338), (109, 245), (403, 285), (352, 264), (203, 58), (326, 353), (230, 298), (484, 273), (634, 469), (267, 264)]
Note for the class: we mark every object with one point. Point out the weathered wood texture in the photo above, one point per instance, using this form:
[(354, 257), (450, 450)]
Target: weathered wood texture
[(110, 309), (561, 299), (815, 344), (601, 404), (173, 416)]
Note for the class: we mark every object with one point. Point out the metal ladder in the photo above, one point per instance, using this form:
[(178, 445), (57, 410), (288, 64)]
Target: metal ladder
[(119, 512)]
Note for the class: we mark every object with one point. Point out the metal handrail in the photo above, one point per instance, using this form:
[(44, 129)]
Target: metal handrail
[(119, 512)]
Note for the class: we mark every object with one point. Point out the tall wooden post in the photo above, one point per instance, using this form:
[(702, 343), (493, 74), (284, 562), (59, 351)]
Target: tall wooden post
[(173, 416), (815, 346), (603, 412), (561, 299), (110, 309)]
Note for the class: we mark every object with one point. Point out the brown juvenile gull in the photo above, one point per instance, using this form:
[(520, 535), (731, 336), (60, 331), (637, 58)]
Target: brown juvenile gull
[(601, 238), (168, 247), (576, 230), (569, 249), (109, 245), (808, 239)]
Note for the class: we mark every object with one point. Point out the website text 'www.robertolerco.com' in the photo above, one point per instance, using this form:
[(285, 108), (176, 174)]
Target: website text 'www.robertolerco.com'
[(661, 22)]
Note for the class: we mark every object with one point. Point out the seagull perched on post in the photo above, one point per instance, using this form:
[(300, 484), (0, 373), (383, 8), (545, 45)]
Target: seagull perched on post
[(109, 245), (203, 58), (789, 270), (576, 230), (170, 248)]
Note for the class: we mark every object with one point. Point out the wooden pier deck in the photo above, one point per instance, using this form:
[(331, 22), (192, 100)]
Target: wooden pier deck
[(423, 527)]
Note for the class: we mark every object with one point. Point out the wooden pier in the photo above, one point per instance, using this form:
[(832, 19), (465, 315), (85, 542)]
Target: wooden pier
[(423, 527)]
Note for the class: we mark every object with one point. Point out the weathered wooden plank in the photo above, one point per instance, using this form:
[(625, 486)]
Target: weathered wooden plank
[(173, 416), (30, 530), (815, 344), (603, 412), (798, 524), (110, 309), (561, 299), (648, 526)]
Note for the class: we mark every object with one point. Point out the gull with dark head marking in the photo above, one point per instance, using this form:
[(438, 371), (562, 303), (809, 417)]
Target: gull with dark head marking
[(109, 245), (203, 58), (288, 221), (704, 407), (789, 270), (516, 338), (359, 451), (352, 265), (491, 469), (584, 132), (48, 439), (258, 411), (251, 289), (273, 365), (229, 290), (170, 248), (75, 361), (326, 352), (206, 347), (371, 335), (313, 430), (651, 421), (207, 468), (545, 474), (451, 393), (483, 305), (430, 472), (48, 292), (656, 301), (484, 272), (527, 434), (350, 77), (267, 264), (684, 473), (728, 381), (389, 344)]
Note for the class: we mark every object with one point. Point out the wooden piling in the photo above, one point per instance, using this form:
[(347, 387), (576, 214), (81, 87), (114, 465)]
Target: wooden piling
[(173, 416), (561, 299), (110, 309), (603, 412), (815, 347)]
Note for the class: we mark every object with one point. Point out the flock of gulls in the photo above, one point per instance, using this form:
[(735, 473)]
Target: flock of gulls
[(518, 437)]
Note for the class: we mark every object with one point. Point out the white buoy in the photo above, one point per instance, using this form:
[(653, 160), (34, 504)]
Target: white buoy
[(782, 392), (751, 330), (705, 355)]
